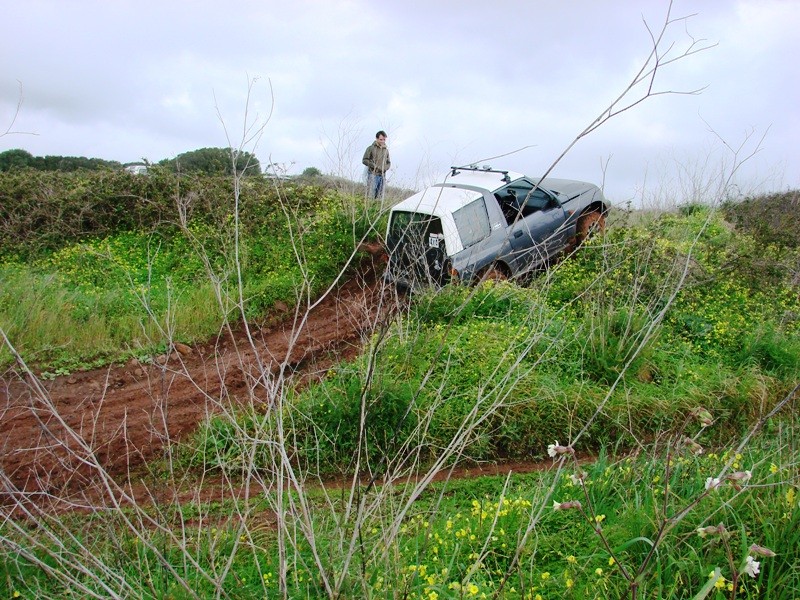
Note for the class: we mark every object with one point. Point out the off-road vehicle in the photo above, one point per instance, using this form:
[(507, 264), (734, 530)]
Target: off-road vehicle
[(481, 223)]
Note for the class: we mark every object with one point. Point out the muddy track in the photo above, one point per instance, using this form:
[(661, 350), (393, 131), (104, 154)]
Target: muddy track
[(124, 415)]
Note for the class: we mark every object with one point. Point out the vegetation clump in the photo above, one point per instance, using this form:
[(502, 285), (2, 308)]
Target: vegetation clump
[(95, 266)]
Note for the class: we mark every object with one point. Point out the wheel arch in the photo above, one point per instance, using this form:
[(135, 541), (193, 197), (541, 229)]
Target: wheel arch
[(496, 265), (595, 206)]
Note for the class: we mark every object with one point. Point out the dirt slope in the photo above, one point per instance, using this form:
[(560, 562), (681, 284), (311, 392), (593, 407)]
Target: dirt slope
[(124, 415)]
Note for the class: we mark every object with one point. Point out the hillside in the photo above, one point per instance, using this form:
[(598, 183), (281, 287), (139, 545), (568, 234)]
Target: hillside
[(668, 350)]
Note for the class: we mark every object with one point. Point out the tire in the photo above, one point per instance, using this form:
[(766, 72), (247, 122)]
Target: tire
[(588, 225), (494, 273)]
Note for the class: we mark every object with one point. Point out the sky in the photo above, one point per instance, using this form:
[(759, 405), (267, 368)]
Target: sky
[(511, 84)]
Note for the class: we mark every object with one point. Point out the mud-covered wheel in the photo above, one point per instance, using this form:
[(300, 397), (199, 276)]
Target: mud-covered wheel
[(494, 273), (588, 225)]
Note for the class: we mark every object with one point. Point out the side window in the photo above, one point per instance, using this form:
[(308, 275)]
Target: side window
[(538, 200), (511, 196), (472, 222), (520, 190)]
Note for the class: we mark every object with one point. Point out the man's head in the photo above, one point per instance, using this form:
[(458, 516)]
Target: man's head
[(380, 137)]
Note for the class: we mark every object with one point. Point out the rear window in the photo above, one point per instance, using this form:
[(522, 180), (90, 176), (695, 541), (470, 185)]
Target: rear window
[(472, 222), (414, 228)]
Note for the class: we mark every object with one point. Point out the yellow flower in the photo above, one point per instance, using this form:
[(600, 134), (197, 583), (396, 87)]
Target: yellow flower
[(600, 518), (572, 560), (433, 596), (611, 561), (773, 468), (545, 575), (720, 584), (598, 571), (569, 583), (472, 589), (16, 594)]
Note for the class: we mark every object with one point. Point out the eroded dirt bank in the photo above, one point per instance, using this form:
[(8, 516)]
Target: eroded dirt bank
[(124, 415)]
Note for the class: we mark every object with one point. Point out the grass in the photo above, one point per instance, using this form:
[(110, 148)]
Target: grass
[(651, 342), (105, 299), (473, 537), (596, 346)]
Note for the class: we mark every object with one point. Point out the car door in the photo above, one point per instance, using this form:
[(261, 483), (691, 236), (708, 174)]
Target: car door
[(534, 232)]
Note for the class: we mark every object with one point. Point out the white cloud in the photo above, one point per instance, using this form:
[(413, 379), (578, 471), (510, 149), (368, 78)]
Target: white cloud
[(450, 81)]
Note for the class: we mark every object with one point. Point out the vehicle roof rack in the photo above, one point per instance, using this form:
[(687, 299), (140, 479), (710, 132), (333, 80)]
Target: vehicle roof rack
[(483, 169)]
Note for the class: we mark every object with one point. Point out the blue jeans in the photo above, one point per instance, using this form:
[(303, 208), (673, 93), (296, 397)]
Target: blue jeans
[(374, 185)]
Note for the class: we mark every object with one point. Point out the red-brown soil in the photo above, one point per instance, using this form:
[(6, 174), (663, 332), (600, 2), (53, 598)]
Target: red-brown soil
[(56, 435), (124, 415)]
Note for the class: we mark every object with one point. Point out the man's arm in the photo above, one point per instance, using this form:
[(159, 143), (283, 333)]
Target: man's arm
[(368, 160)]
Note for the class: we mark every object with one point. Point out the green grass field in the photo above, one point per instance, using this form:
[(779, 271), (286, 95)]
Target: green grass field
[(665, 352)]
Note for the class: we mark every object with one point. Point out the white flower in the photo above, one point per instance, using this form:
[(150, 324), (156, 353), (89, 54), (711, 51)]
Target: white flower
[(713, 482), (713, 530), (575, 479), (703, 416), (554, 450), (693, 446), (752, 566)]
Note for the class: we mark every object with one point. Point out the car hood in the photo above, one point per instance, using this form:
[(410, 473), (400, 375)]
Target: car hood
[(568, 187)]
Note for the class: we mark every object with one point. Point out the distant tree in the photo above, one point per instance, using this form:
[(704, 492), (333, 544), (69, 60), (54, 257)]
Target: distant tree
[(75, 163), (18, 159), (311, 172), (15, 159), (213, 161)]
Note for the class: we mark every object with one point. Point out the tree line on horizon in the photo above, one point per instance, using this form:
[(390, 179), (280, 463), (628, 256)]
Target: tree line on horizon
[(211, 161)]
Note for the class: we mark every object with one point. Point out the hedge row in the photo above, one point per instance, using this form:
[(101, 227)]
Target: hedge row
[(43, 211)]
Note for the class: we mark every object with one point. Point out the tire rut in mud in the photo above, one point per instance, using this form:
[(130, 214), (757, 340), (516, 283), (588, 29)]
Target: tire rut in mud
[(124, 415)]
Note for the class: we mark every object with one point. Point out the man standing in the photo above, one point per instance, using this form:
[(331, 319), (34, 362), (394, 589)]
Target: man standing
[(376, 158)]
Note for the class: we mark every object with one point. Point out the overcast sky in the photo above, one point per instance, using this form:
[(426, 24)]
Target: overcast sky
[(452, 82)]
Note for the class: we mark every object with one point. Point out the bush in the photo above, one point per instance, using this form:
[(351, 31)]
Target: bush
[(118, 285), (770, 219)]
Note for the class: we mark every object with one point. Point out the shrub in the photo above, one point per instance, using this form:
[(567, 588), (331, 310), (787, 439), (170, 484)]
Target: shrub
[(771, 219)]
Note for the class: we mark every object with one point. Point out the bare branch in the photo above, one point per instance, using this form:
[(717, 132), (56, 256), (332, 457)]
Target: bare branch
[(10, 129)]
